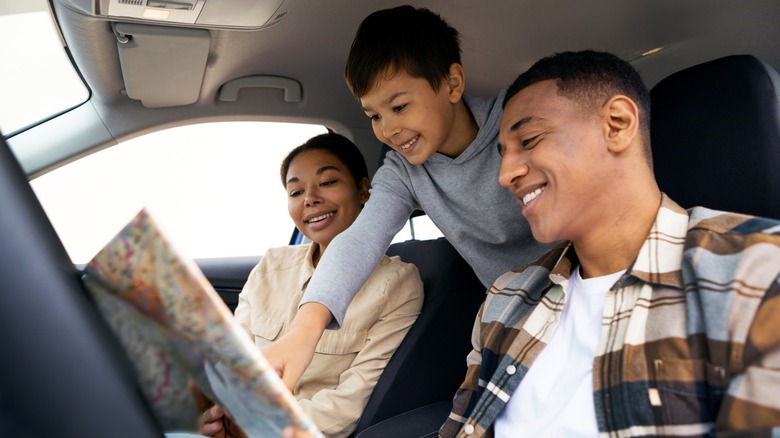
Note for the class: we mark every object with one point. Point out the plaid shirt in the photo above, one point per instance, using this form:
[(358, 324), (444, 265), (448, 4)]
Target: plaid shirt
[(690, 338)]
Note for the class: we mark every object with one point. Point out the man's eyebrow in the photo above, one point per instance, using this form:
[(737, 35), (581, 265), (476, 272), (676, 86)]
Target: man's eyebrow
[(387, 101), (524, 121)]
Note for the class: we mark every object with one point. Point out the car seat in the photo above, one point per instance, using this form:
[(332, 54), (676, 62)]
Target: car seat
[(62, 373), (430, 363), (715, 130)]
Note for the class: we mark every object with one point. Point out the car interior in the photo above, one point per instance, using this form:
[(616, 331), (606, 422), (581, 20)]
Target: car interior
[(715, 132)]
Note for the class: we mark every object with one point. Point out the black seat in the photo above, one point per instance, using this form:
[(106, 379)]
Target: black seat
[(715, 131), (430, 364), (62, 373)]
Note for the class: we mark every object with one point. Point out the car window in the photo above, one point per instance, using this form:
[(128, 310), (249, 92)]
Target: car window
[(418, 228), (214, 188), (37, 79)]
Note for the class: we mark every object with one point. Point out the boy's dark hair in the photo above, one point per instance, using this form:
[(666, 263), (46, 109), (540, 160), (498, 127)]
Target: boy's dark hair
[(590, 78), (338, 145), (414, 40)]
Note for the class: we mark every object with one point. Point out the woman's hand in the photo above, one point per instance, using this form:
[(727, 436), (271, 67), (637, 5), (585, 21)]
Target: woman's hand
[(213, 420)]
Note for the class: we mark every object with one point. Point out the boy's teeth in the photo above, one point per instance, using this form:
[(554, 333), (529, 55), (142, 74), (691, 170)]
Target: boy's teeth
[(530, 196), (320, 218), (409, 144)]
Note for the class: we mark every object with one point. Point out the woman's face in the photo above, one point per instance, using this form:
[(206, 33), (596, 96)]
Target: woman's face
[(323, 199)]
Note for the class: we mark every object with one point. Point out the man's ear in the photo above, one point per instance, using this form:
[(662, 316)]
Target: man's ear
[(455, 82), (621, 122), (363, 190)]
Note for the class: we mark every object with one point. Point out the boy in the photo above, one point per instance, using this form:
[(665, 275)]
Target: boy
[(404, 67), (650, 320)]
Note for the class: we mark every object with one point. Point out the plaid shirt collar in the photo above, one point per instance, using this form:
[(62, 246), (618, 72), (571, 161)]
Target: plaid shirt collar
[(659, 258)]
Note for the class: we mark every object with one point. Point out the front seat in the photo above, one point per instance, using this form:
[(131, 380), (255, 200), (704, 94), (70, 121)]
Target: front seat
[(715, 130), (430, 364), (62, 373)]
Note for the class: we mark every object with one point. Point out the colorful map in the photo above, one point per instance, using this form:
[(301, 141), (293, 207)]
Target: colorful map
[(176, 329)]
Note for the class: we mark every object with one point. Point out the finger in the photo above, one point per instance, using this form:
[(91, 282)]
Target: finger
[(214, 413), (213, 429), (202, 403)]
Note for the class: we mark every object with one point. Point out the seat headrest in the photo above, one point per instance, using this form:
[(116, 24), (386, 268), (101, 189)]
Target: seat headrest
[(715, 131)]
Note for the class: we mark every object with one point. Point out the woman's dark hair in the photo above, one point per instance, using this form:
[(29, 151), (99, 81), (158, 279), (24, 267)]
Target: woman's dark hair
[(338, 145), (401, 39)]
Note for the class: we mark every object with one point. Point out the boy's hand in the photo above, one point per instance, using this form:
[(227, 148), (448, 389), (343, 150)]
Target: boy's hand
[(292, 353)]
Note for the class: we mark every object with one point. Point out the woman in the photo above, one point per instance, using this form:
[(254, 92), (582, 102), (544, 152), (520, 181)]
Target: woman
[(327, 184)]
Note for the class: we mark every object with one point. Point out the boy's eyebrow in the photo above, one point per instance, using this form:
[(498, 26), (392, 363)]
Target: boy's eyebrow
[(320, 171), (387, 101)]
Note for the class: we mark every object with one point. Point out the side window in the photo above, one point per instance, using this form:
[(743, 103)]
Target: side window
[(418, 228), (214, 188), (37, 79)]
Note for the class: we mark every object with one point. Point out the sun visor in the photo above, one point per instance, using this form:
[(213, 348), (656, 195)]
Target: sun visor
[(244, 14), (162, 66)]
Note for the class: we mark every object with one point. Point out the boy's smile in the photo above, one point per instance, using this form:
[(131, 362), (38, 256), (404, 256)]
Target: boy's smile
[(415, 120)]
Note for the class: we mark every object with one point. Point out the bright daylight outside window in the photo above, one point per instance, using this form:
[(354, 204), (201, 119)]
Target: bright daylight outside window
[(37, 79), (214, 188)]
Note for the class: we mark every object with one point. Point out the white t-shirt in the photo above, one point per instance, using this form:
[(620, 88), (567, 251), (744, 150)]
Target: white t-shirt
[(555, 399)]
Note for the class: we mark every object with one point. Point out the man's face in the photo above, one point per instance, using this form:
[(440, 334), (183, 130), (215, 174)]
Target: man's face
[(554, 161), (411, 117)]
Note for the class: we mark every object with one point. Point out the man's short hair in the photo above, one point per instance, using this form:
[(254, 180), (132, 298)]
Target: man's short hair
[(402, 39), (590, 78)]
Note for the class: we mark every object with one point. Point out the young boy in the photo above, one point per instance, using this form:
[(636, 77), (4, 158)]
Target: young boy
[(404, 67)]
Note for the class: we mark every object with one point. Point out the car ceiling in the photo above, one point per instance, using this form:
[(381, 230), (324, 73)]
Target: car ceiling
[(499, 39)]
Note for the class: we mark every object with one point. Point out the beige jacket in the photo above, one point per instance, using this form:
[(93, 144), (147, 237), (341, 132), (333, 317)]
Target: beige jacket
[(347, 362)]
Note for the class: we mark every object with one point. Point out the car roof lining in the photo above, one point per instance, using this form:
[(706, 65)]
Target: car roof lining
[(315, 58)]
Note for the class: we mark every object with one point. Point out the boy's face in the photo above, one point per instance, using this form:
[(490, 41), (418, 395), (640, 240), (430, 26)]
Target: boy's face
[(411, 117), (554, 162)]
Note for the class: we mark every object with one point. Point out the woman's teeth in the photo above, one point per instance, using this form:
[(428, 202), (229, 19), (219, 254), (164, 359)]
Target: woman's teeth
[(319, 218)]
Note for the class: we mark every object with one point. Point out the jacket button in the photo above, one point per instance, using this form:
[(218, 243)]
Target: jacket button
[(511, 370), (469, 429)]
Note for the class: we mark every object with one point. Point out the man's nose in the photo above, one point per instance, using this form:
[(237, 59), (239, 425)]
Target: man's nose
[(513, 167)]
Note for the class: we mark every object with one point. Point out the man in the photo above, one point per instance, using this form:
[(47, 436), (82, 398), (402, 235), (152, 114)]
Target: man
[(650, 319)]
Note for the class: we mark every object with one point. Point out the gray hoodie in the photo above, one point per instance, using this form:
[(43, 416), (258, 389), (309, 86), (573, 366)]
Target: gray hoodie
[(461, 195)]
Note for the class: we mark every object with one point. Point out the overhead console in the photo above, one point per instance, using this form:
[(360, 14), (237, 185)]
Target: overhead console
[(243, 14)]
